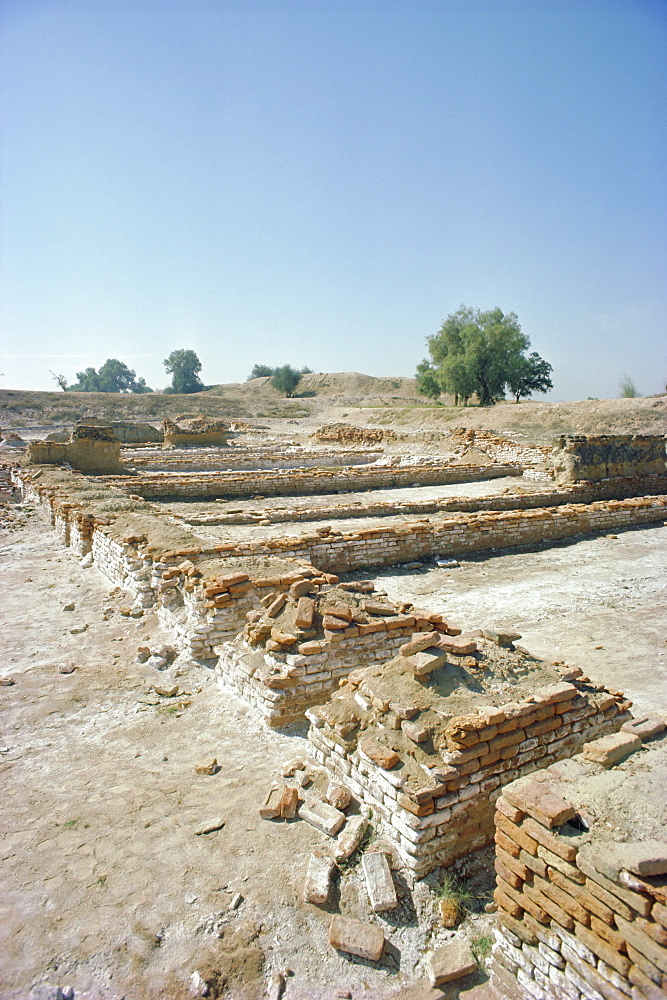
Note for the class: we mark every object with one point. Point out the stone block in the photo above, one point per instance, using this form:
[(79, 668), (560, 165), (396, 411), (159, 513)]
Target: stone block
[(452, 960), (379, 882), (610, 750), (356, 938), (338, 796)]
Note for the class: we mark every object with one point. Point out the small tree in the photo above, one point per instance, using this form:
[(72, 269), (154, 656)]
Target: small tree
[(627, 387), (60, 379), (286, 379), (184, 367), (260, 371), (529, 375)]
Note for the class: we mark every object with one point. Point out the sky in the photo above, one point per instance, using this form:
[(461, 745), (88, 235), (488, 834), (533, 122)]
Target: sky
[(322, 182)]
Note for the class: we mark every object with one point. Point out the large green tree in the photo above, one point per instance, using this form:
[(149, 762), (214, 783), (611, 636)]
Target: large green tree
[(184, 367), (113, 376), (529, 375), (474, 352), (286, 379)]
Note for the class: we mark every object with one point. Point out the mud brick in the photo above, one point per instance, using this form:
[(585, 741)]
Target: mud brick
[(562, 866), (554, 693), (608, 898), (506, 740), (322, 816), (232, 579), (276, 605), (507, 874), (514, 865), (552, 842), (417, 809), (539, 800), (289, 800), (356, 938), (641, 942), (310, 648), (641, 904), (526, 900), (451, 961), (602, 949), (646, 986), (563, 899), (583, 896), (610, 750), (535, 864), (239, 589), (546, 726), (608, 934), (457, 645), (379, 883), (458, 757), (644, 728), (524, 928), (659, 913), (506, 904), (270, 808), (648, 968), (305, 610), (318, 879), (383, 756), (516, 834), (508, 845), (546, 906)]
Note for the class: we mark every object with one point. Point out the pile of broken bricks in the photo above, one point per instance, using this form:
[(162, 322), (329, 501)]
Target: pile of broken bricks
[(329, 808)]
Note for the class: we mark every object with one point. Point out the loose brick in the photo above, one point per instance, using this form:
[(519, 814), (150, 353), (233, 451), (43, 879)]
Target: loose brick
[(356, 938), (379, 883), (451, 961), (610, 750), (318, 879)]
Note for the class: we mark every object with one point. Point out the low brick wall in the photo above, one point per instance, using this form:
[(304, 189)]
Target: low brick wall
[(601, 456), (577, 919), (449, 536), (293, 482), (436, 807)]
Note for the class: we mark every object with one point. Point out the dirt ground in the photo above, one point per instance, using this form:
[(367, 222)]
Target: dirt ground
[(105, 886)]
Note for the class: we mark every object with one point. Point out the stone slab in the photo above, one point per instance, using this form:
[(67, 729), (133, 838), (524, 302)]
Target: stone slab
[(356, 938), (452, 960)]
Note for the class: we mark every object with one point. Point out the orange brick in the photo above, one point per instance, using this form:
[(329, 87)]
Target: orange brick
[(505, 903), (526, 900), (548, 908), (507, 809), (503, 841), (507, 874), (513, 864), (583, 896), (608, 934), (563, 899), (521, 928), (603, 950), (516, 834), (553, 842)]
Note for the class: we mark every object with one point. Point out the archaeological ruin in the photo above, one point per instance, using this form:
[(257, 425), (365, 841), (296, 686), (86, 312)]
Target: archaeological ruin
[(257, 557)]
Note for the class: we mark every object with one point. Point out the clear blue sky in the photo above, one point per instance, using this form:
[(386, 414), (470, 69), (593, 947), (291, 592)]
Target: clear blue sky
[(321, 182)]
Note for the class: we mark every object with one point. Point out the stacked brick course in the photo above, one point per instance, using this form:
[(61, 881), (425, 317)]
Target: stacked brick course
[(582, 891), (602, 456), (427, 740)]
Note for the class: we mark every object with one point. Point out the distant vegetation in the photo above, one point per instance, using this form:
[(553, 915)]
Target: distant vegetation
[(184, 367), (113, 376), (284, 379), (628, 388), (483, 354)]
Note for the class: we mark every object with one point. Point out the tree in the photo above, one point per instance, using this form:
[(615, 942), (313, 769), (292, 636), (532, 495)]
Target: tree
[(529, 375), (113, 376), (60, 379), (184, 367), (286, 379), (474, 352), (260, 371), (627, 387)]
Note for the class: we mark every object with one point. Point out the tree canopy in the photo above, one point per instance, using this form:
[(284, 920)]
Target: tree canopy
[(481, 353), (286, 379), (113, 376), (184, 367), (260, 371)]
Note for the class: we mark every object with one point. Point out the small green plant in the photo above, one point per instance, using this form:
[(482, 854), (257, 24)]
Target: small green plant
[(481, 946), (346, 866), (628, 388), (102, 881), (452, 891)]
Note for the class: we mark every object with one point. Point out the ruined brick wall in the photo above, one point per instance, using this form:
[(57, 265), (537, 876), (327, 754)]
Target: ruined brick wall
[(577, 915), (90, 449), (434, 820), (348, 434), (604, 456)]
